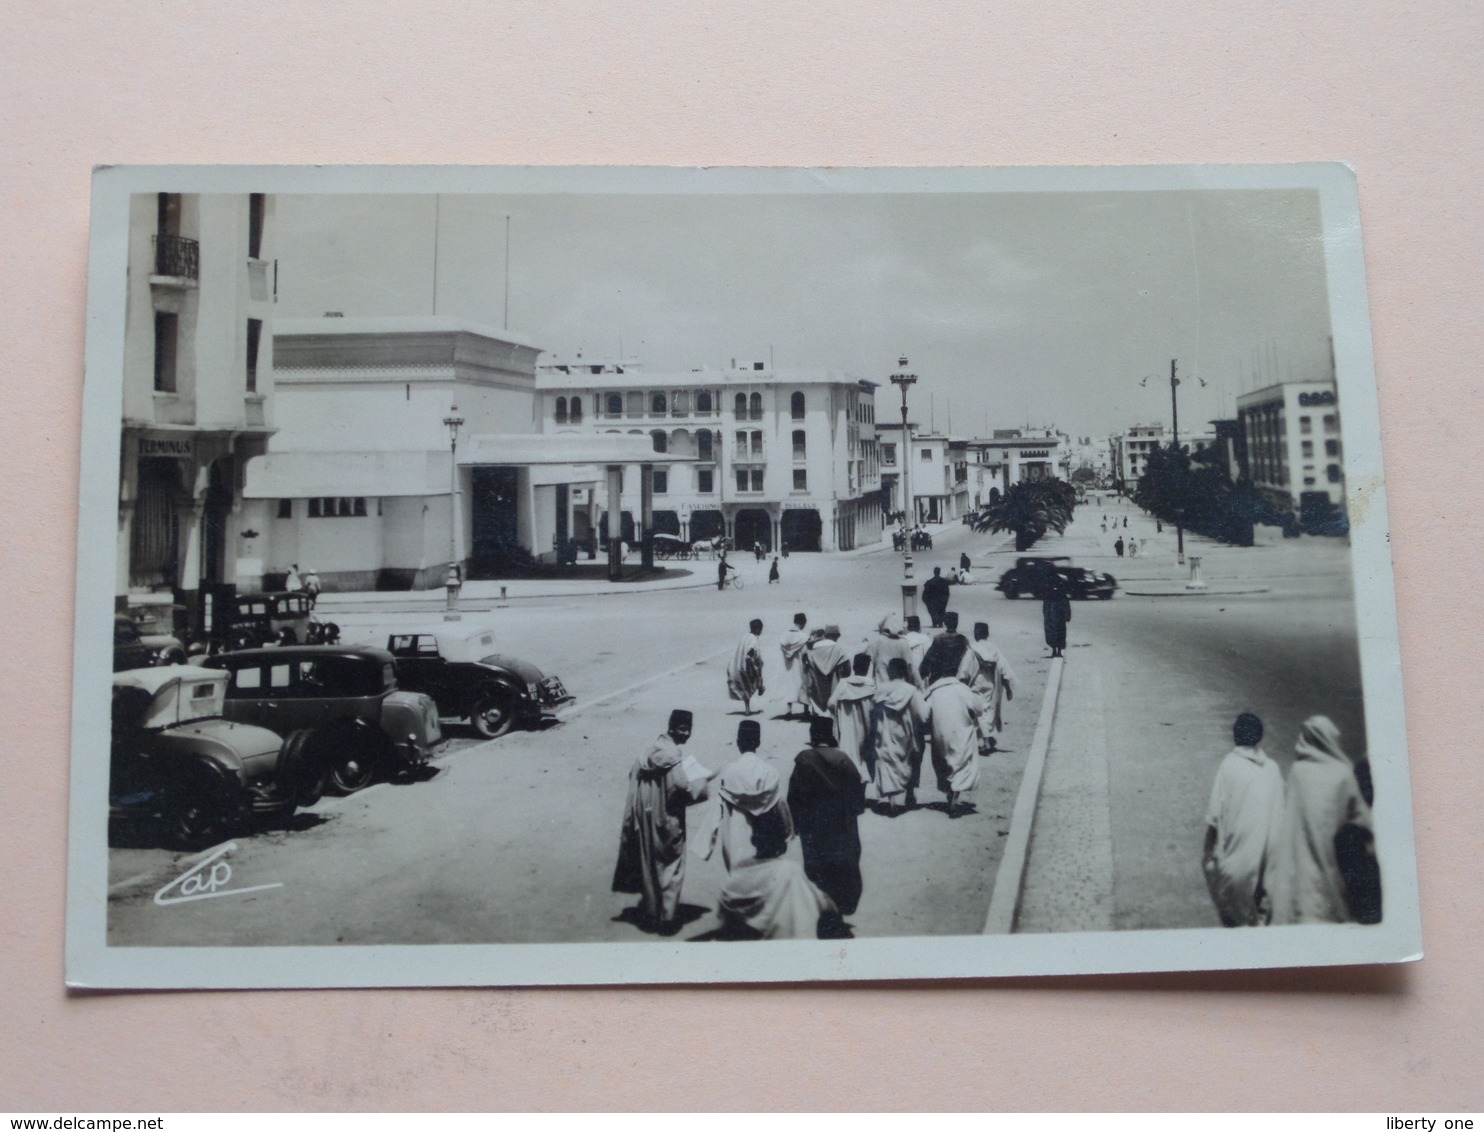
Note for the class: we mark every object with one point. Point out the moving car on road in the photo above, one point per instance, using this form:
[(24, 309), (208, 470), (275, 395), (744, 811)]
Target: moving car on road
[(358, 724), (1036, 577), (459, 667), (175, 759)]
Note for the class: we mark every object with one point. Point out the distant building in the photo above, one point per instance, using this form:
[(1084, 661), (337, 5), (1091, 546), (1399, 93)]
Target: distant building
[(197, 391), (1016, 455), (773, 457), (1292, 436), (1131, 452)]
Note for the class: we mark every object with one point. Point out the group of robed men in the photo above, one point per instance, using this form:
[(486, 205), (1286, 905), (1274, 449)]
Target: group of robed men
[(1296, 852), (751, 822), (901, 690)]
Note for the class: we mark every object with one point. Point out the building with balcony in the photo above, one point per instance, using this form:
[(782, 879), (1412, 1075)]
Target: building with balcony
[(771, 457), (1015, 455), (197, 391), (1294, 454)]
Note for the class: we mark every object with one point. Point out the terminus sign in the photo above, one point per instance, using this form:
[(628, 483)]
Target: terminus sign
[(166, 446)]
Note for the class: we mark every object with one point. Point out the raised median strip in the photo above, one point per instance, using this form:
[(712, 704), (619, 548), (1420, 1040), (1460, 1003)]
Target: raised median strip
[(1004, 901)]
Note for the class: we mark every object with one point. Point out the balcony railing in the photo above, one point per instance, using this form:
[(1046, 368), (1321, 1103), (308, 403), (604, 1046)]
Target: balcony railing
[(177, 257)]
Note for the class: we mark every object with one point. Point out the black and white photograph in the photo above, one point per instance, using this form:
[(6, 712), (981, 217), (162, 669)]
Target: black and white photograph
[(601, 575)]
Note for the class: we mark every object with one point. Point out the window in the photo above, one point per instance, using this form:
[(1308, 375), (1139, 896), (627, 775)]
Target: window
[(314, 509), (757, 479), (1330, 422), (796, 406), (247, 679), (703, 402), (561, 410), (661, 481), (741, 479), (636, 404), (740, 409), (1308, 481), (360, 507), (615, 405), (680, 404), (1306, 425), (1307, 449), (705, 483), (167, 214), (801, 479), (703, 445), (1334, 474), (799, 444), (576, 410), (757, 442), (329, 507), (741, 445), (657, 403), (661, 441), (165, 339), (1331, 447), (889, 455), (285, 508), (927, 455), (755, 406), (256, 207), (254, 337)]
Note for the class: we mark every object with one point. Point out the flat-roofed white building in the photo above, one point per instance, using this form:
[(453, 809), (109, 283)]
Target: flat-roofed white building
[(1295, 458), (776, 458)]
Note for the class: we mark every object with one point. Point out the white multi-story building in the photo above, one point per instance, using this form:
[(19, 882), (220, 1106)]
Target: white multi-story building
[(938, 477), (1016, 455), (1293, 449), (772, 457), (1132, 450), (197, 390)]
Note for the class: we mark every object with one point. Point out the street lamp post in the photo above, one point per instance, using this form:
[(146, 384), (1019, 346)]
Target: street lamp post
[(1175, 426), (454, 579), (909, 586)]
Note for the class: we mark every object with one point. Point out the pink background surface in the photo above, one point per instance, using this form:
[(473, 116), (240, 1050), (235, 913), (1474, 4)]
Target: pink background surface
[(1394, 89)]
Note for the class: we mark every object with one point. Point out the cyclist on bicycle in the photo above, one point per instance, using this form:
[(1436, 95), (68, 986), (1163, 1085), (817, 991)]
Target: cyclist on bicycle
[(722, 566)]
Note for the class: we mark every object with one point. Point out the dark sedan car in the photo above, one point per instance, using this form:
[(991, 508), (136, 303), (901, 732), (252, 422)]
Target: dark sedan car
[(459, 667), (1039, 577)]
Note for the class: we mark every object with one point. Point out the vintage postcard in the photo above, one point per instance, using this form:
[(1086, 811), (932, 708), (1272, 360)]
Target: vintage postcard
[(613, 575)]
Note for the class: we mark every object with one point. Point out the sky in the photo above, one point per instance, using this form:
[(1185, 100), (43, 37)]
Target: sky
[(1047, 309)]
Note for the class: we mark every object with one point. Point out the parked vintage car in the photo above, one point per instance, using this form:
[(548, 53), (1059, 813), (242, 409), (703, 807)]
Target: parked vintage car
[(362, 726), (1036, 577), (459, 667), (134, 646), (256, 620), (175, 759)]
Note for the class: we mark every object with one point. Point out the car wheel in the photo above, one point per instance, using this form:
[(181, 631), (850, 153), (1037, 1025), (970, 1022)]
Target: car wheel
[(299, 773), (1012, 593), (1105, 596), (353, 765), (197, 814), (493, 714), (173, 656)]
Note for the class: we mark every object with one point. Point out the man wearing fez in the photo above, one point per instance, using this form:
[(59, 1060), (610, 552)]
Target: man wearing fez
[(651, 848), (946, 653)]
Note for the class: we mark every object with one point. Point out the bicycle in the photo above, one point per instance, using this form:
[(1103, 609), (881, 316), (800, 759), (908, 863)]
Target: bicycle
[(734, 581)]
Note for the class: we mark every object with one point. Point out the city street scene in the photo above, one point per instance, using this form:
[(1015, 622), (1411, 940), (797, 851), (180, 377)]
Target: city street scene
[(741, 566)]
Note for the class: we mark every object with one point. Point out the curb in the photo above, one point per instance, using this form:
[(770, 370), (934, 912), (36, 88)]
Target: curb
[(1004, 902), (1196, 593)]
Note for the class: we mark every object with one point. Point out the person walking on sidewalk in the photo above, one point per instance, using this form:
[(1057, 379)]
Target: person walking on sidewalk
[(1056, 611), (953, 717), (935, 596), (987, 674), (825, 663), (825, 796), (1118, 546), (890, 643), (850, 705), (1242, 822), (746, 790), (946, 653), (917, 642), (745, 672), (773, 571), (664, 781)]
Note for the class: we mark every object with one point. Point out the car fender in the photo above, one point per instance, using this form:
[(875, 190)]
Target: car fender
[(352, 730), (410, 722)]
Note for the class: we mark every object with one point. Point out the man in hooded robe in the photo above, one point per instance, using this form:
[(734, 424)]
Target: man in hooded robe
[(953, 718), (825, 662), (792, 645), (767, 896), (850, 707), (946, 653), (890, 642), (826, 795), (743, 792), (651, 848), (745, 671), (1324, 813), (918, 642), (1242, 823), (985, 671), (898, 716)]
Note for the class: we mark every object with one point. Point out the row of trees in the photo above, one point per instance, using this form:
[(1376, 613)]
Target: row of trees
[(1029, 509)]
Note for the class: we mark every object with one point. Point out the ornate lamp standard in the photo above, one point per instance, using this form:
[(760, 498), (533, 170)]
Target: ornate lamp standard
[(909, 586), (454, 580)]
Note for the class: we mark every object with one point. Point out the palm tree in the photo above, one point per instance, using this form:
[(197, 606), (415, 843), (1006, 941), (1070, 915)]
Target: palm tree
[(1030, 509)]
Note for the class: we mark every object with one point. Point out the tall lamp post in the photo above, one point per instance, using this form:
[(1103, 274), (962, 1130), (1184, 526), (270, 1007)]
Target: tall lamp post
[(454, 580), (909, 587), (1175, 426)]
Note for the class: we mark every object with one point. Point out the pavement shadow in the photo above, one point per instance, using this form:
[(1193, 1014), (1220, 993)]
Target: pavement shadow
[(684, 914)]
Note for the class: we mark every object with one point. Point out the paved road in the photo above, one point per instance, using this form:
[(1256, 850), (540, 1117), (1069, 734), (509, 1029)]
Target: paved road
[(515, 840)]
